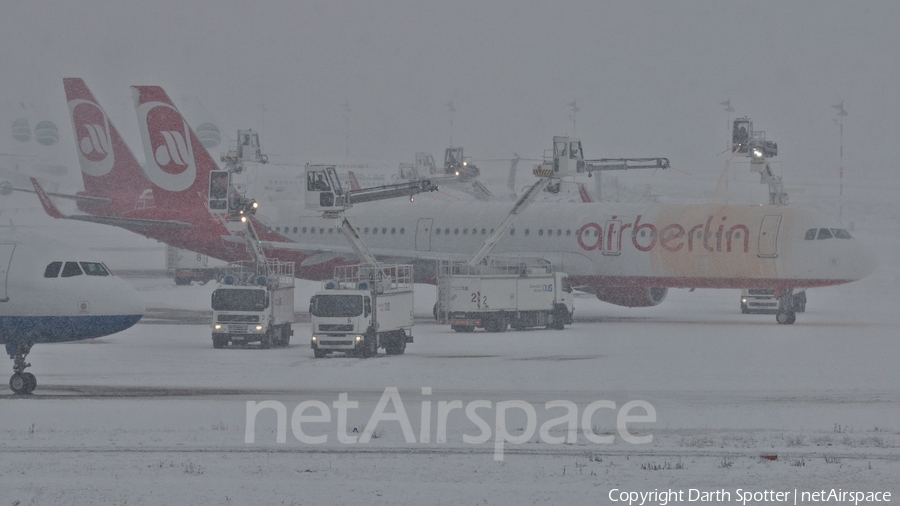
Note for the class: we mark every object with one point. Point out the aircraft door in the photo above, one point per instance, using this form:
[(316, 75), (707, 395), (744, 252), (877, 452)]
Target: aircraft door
[(768, 236), (612, 243), (6, 252), (423, 234)]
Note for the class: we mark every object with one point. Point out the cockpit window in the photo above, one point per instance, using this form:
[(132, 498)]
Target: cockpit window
[(71, 269), (824, 233), (840, 233), (94, 269), (811, 234), (52, 269)]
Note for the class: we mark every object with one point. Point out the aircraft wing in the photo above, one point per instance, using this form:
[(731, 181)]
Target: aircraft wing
[(129, 223)]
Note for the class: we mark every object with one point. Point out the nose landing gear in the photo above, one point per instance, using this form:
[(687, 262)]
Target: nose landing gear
[(21, 382), (786, 314)]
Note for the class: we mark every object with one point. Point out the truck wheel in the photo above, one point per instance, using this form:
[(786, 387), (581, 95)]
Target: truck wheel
[(180, 281), (496, 324), (463, 328), (800, 302), (219, 342), (318, 353), (265, 341), (396, 347), (557, 319), (286, 336)]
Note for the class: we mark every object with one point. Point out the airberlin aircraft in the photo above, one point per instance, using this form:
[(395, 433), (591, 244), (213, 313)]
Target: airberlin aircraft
[(625, 254)]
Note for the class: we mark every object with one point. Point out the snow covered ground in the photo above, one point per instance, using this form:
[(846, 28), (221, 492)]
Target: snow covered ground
[(155, 415)]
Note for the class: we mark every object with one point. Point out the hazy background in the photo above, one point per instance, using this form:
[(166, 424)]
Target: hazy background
[(648, 77)]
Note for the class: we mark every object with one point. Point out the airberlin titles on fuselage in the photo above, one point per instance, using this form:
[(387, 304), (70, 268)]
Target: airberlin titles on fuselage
[(672, 237)]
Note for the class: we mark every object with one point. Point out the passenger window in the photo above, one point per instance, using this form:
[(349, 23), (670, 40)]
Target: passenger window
[(526, 231), (393, 231), (71, 269), (303, 230), (465, 231), (568, 232), (558, 232), (402, 230), (824, 233), (383, 230), (455, 231), (840, 233), (94, 269), (375, 230), (541, 231), (437, 231), (312, 230), (295, 230), (366, 230), (811, 234), (52, 269)]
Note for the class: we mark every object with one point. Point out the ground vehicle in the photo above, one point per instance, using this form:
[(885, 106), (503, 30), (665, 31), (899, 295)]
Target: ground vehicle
[(499, 295), (254, 303), (365, 307), (764, 301), (186, 266)]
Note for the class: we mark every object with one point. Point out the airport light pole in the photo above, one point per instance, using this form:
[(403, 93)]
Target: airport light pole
[(840, 123), (574, 108)]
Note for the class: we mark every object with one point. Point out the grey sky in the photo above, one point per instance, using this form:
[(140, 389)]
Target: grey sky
[(647, 76)]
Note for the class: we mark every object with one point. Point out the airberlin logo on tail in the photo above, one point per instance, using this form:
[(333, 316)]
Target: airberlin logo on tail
[(92, 135), (170, 156)]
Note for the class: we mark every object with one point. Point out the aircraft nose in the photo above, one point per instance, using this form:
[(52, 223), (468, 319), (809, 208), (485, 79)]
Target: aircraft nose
[(864, 261), (127, 300)]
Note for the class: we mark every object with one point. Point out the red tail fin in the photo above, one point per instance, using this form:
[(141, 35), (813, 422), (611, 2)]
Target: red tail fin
[(354, 184), (177, 163), (108, 168), (585, 196)]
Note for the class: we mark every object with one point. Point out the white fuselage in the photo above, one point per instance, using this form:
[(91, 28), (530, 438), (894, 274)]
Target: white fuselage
[(602, 244)]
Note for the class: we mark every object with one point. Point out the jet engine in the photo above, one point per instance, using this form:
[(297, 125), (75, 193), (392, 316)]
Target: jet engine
[(631, 296)]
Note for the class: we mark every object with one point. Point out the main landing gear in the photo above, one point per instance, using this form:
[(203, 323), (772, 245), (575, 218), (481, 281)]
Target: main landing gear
[(787, 313), (21, 382)]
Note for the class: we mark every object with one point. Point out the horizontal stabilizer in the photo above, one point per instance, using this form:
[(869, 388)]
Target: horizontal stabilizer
[(77, 198), (129, 223)]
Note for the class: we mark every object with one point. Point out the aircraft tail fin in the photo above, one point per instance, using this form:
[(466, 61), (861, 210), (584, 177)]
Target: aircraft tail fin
[(354, 184), (178, 165), (582, 190), (511, 178), (108, 167)]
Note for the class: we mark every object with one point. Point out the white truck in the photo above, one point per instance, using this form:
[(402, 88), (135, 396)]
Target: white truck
[(254, 302), (365, 307), (494, 297), (764, 301)]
